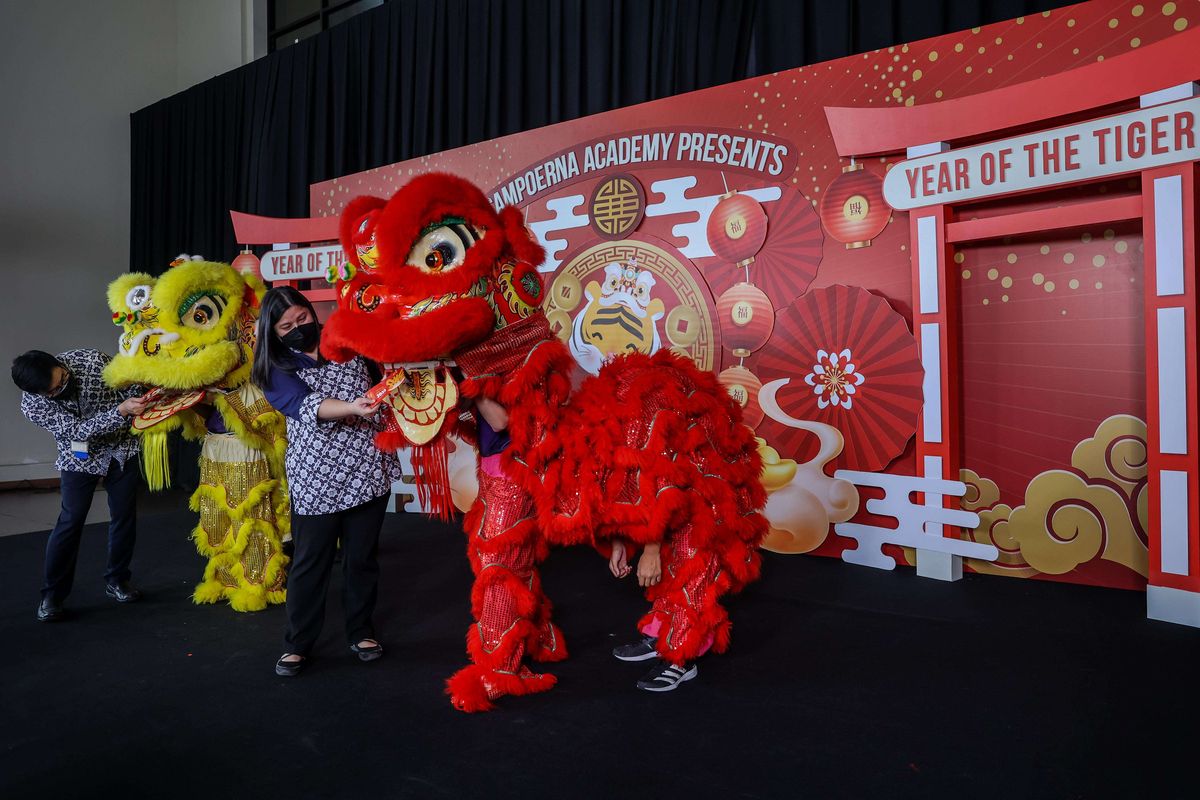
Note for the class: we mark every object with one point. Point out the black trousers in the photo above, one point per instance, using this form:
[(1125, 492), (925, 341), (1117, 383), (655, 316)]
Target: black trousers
[(62, 550), (315, 537)]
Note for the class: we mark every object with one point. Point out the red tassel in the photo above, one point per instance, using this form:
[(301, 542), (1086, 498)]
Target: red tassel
[(431, 462)]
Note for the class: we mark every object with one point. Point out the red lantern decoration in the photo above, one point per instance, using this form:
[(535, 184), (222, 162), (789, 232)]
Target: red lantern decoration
[(743, 387), (246, 263), (788, 260), (747, 318), (853, 209), (737, 228)]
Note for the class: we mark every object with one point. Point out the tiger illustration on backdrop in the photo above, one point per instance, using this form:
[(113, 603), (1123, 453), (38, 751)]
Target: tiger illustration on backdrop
[(619, 317)]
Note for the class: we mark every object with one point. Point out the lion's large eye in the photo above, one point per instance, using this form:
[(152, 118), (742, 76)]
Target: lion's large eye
[(444, 248), (138, 297), (202, 310)]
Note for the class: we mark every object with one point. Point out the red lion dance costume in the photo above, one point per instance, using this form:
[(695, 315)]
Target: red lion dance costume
[(650, 450)]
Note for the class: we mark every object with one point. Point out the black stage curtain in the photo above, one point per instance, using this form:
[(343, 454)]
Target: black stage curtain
[(418, 76)]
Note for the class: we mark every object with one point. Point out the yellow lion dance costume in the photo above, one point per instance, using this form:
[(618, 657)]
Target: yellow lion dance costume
[(189, 334)]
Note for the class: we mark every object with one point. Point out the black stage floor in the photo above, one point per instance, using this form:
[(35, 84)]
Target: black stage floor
[(842, 682)]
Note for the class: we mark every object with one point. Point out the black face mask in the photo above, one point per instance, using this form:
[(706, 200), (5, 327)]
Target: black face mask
[(303, 337)]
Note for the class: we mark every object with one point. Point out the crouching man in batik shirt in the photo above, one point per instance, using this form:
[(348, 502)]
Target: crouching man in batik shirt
[(66, 395)]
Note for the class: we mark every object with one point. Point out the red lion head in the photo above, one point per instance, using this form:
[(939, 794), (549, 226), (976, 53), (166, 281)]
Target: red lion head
[(433, 270)]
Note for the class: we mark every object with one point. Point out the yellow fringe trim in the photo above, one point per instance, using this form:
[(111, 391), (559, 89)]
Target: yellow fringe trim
[(156, 454), (156, 459)]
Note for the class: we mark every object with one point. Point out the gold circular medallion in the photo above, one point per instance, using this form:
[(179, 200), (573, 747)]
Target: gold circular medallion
[(683, 326), (566, 292), (617, 206)]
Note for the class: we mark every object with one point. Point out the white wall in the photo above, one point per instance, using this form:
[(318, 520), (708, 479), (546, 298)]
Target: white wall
[(212, 36), (71, 72)]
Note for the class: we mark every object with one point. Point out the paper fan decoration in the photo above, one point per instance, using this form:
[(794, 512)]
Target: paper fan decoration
[(788, 260), (852, 363)]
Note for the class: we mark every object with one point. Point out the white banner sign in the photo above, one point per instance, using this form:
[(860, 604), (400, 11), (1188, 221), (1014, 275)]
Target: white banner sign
[(1148, 137), (301, 263)]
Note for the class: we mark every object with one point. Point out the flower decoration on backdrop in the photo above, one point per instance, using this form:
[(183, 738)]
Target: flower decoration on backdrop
[(851, 363)]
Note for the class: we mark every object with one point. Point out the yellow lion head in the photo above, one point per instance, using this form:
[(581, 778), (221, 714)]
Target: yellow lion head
[(190, 328)]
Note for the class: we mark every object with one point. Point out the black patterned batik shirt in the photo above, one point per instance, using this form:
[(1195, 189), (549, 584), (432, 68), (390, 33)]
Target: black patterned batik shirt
[(89, 416), (332, 465)]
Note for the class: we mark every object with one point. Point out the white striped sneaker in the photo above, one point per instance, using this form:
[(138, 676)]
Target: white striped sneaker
[(665, 677)]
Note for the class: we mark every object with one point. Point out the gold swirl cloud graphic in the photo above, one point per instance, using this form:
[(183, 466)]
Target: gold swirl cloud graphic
[(1070, 517), (802, 500)]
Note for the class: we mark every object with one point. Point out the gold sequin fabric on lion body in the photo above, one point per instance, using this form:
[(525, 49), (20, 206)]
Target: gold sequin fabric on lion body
[(243, 507)]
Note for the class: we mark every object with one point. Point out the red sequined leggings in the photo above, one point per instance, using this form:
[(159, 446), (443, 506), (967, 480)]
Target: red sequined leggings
[(512, 616), (685, 615)]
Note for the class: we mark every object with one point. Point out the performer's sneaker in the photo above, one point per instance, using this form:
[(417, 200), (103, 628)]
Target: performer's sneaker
[(637, 651), (665, 677)]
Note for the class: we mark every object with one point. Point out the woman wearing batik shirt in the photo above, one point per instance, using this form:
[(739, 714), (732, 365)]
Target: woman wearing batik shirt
[(338, 481)]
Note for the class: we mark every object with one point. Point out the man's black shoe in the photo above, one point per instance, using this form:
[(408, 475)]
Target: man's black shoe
[(50, 610), (123, 592)]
